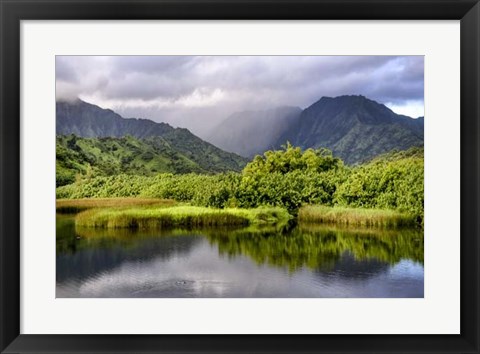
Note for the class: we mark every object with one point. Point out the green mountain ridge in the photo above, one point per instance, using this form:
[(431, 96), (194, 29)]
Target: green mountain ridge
[(89, 121), (88, 135), (110, 156), (355, 128)]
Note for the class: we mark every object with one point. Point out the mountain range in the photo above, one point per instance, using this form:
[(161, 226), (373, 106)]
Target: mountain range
[(355, 128), (90, 135)]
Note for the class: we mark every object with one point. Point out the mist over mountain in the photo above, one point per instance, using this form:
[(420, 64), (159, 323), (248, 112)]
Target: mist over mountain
[(253, 132), (355, 128)]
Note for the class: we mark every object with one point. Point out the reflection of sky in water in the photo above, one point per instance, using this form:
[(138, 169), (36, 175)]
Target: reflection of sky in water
[(188, 266)]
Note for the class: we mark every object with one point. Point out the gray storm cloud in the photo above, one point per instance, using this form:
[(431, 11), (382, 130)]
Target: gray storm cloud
[(198, 91)]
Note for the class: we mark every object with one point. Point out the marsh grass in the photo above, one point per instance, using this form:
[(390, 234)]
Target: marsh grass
[(185, 216), (71, 206), (355, 216)]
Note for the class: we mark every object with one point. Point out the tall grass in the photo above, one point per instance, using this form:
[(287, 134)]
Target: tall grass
[(78, 205), (189, 216), (355, 216)]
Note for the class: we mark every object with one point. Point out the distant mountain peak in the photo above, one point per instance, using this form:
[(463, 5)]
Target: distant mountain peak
[(354, 127), (343, 97)]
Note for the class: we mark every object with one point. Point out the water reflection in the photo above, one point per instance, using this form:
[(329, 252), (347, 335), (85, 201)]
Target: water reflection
[(319, 247), (302, 261)]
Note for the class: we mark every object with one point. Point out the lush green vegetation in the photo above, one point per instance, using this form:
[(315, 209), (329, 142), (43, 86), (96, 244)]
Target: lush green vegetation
[(393, 181), (190, 216), (200, 190), (145, 157), (289, 178), (355, 216), (285, 178)]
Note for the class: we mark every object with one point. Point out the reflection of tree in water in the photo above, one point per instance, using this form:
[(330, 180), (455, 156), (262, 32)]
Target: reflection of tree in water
[(320, 247), (83, 252)]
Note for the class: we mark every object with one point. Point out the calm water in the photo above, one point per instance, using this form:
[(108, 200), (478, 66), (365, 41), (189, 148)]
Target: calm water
[(305, 261)]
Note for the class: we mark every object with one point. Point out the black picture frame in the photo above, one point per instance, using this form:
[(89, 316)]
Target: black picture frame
[(14, 11)]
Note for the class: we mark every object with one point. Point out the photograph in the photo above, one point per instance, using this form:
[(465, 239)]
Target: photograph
[(241, 176)]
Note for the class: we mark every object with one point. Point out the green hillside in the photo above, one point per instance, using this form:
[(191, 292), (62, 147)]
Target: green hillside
[(175, 153)]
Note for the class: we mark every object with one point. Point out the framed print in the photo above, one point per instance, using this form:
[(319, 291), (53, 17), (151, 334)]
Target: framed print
[(269, 176)]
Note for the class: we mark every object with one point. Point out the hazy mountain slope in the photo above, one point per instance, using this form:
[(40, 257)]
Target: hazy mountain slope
[(253, 132), (354, 128), (178, 149), (109, 156), (87, 120)]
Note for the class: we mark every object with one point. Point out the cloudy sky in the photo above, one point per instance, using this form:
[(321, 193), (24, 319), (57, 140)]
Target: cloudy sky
[(198, 91)]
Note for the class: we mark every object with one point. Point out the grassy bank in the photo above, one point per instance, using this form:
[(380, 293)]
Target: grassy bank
[(190, 216), (355, 216), (144, 213), (77, 205)]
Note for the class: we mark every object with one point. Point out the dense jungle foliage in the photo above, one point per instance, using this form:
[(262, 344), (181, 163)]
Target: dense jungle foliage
[(288, 178)]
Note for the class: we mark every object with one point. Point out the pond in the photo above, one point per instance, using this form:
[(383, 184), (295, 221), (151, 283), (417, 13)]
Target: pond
[(299, 261)]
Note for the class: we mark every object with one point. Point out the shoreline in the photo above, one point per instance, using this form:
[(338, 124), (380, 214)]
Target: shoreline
[(144, 213)]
